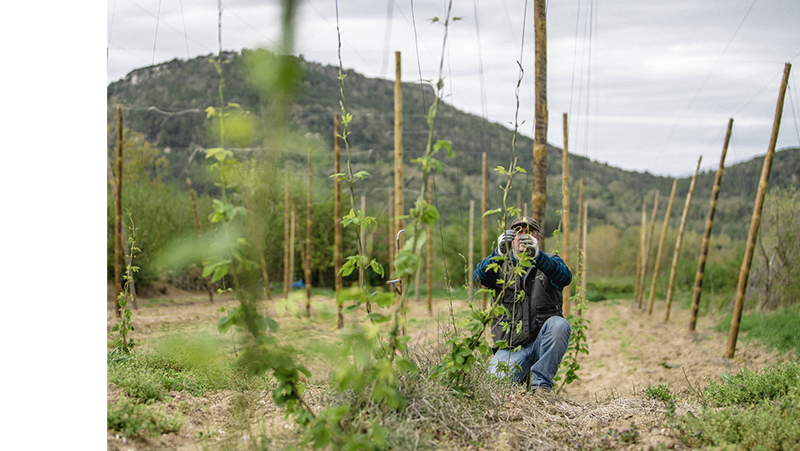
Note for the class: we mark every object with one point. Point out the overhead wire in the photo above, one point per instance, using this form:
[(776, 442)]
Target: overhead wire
[(387, 37), (792, 101), (155, 38), (185, 35), (705, 80)]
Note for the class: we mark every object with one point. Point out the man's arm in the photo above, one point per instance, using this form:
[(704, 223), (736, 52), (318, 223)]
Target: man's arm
[(555, 269), (484, 276)]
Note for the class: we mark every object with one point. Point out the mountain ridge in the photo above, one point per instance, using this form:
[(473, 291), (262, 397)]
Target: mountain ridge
[(182, 89)]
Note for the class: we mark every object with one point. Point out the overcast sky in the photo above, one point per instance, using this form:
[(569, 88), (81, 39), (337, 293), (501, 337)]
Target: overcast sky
[(648, 85)]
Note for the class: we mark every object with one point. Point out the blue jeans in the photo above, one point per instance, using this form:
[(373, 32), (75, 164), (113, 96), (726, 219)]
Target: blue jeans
[(541, 356)]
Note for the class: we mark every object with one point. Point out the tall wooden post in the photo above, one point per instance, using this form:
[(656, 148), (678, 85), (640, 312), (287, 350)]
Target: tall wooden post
[(565, 211), (256, 238), (292, 238), (287, 235), (701, 263), (337, 222), (538, 197), (118, 217), (646, 260), (429, 266), (581, 189), (398, 147), (362, 239), (519, 202), (661, 247), (679, 240), (642, 244), (484, 229), (755, 222), (307, 260), (200, 234), (392, 234), (127, 253), (470, 247), (584, 233)]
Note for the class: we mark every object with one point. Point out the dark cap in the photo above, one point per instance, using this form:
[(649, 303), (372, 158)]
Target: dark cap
[(526, 220)]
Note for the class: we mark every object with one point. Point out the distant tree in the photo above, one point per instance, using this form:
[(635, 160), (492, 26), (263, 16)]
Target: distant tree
[(775, 278)]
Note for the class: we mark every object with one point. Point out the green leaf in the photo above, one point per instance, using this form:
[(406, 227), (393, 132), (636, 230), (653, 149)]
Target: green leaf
[(378, 317), (349, 309)]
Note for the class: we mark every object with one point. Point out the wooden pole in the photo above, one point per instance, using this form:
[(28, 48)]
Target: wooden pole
[(519, 202), (675, 256), (118, 217), (565, 210), (470, 247), (581, 189), (538, 197), (642, 244), (292, 238), (392, 233), (398, 147), (362, 239), (417, 277), (287, 211), (112, 182), (337, 222), (484, 229), (701, 263), (255, 238), (307, 260), (661, 247), (584, 233), (429, 266), (200, 233), (647, 249), (755, 222)]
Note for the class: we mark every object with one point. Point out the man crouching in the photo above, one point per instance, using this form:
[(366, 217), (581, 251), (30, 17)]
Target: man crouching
[(534, 329)]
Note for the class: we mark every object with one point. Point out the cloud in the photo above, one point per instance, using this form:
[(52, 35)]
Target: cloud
[(645, 78)]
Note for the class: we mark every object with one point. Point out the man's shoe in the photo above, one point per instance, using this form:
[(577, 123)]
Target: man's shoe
[(543, 392)]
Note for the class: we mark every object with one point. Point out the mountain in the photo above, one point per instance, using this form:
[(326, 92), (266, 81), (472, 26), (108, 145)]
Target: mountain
[(166, 102)]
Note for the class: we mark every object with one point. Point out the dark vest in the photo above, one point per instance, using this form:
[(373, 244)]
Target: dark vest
[(526, 315)]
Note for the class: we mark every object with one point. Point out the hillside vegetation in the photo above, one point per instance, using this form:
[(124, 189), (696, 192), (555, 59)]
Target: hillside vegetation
[(164, 111), (166, 103)]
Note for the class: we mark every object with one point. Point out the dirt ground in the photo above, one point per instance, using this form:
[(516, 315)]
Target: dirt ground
[(629, 351)]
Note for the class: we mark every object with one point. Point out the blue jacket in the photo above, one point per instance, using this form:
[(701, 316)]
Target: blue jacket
[(541, 285)]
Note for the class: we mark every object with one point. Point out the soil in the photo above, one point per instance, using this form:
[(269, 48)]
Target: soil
[(629, 351)]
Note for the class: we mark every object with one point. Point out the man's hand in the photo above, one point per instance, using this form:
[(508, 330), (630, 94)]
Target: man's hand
[(504, 241), (531, 245)]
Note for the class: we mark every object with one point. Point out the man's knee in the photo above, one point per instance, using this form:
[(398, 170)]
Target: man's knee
[(558, 326)]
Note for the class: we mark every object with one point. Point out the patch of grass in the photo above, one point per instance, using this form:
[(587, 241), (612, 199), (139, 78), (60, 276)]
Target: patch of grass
[(749, 411), (748, 387), (616, 321), (601, 289), (193, 364), (658, 392), (777, 329), (134, 419), (156, 302)]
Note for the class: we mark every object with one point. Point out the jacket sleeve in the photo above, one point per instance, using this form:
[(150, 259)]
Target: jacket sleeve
[(485, 276), (555, 269)]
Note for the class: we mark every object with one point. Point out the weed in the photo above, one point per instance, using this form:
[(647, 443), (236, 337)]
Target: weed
[(150, 376), (749, 387), (577, 341), (134, 419), (123, 343), (658, 392), (748, 411)]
